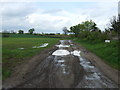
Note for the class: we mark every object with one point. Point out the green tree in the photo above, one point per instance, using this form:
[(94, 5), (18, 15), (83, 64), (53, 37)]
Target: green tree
[(21, 31), (75, 30), (31, 30), (84, 26), (65, 30), (114, 24), (89, 25)]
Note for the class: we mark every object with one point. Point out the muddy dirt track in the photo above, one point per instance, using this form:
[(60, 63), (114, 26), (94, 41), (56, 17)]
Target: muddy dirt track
[(65, 66)]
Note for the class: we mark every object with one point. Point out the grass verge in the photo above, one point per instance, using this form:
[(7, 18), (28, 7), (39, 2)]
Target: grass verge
[(106, 51)]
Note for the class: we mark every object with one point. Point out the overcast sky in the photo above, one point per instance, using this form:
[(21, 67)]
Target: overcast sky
[(53, 16)]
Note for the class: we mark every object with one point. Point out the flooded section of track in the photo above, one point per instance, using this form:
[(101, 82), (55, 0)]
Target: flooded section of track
[(65, 67)]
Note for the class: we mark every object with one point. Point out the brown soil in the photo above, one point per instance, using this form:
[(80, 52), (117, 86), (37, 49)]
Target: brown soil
[(44, 71)]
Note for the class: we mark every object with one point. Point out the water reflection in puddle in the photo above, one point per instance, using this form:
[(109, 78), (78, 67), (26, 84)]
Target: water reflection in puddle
[(76, 53), (93, 76), (86, 64), (61, 52), (61, 46), (61, 61), (43, 45)]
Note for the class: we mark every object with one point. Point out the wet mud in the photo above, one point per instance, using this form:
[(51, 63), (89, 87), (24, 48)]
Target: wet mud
[(66, 67)]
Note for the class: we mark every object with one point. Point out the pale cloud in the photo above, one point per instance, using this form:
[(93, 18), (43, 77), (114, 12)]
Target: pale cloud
[(54, 23), (14, 15), (16, 9), (27, 15), (101, 13)]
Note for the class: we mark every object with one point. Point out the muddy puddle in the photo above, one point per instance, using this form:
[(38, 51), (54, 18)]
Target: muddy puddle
[(43, 45), (61, 52), (92, 78), (67, 68)]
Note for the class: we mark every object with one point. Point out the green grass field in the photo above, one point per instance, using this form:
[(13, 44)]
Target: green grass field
[(106, 51), (25, 36), (12, 55)]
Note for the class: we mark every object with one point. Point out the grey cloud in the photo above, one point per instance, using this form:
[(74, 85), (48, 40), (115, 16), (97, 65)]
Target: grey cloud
[(14, 15), (17, 9), (26, 15)]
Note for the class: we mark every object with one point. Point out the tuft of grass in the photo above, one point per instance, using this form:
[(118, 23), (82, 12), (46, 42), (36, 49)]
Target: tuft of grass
[(106, 51)]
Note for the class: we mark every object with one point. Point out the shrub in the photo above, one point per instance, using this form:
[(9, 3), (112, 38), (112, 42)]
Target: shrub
[(84, 34), (104, 36)]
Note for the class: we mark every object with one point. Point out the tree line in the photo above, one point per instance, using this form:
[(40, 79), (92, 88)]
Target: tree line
[(30, 31), (88, 30)]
